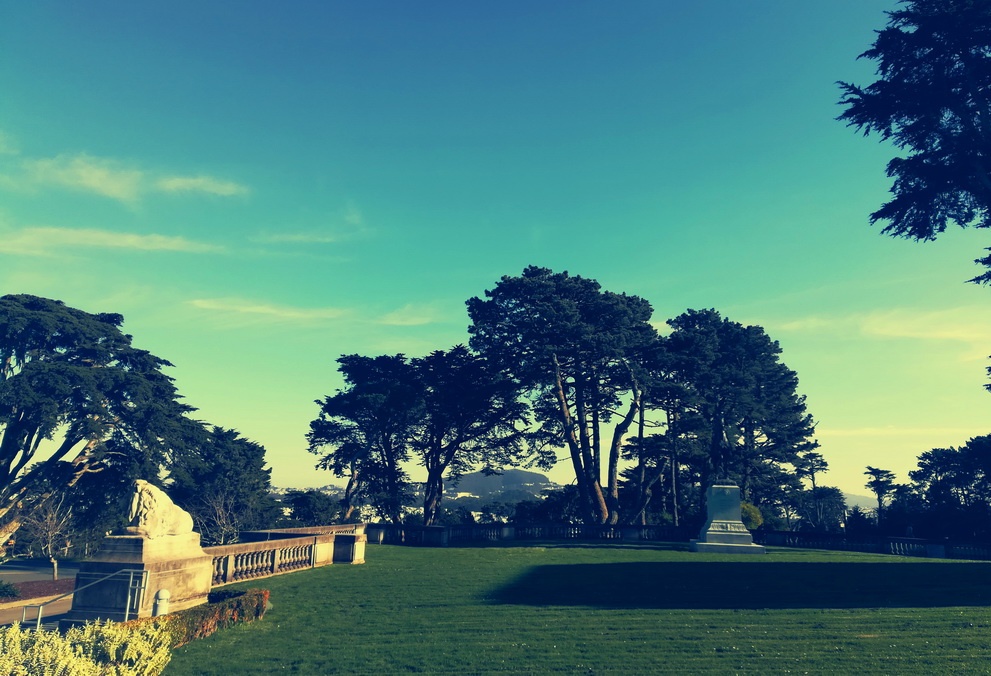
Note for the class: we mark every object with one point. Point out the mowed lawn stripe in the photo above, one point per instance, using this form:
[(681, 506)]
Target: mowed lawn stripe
[(611, 610)]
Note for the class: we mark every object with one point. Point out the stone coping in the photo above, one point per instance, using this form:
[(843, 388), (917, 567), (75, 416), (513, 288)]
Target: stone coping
[(242, 547)]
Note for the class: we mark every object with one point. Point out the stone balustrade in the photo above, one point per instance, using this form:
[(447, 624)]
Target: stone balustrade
[(274, 552)]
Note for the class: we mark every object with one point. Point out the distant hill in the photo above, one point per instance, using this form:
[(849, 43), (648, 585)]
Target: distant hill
[(484, 486), (862, 501)]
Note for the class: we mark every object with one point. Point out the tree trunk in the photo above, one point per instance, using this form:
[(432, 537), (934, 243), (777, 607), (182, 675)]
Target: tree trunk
[(617, 442), (588, 488), (432, 494)]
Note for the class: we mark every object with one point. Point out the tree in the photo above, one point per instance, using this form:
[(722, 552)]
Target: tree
[(363, 432), (312, 507), (50, 525), (882, 485), (932, 99), (471, 416), (73, 392), (822, 510), (742, 403), (223, 483), (954, 487), (572, 348)]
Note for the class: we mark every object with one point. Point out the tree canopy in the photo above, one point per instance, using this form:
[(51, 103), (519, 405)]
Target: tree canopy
[(933, 100), (571, 346), (74, 380), (222, 481), (450, 410), (363, 432)]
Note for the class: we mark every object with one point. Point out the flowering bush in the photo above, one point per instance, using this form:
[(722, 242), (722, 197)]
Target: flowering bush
[(98, 649)]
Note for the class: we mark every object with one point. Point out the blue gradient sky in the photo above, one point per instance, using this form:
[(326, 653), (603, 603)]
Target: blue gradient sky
[(260, 188)]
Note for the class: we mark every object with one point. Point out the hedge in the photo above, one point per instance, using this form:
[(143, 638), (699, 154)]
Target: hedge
[(226, 608)]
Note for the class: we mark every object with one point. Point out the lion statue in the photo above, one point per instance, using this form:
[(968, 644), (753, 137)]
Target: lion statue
[(153, 514)]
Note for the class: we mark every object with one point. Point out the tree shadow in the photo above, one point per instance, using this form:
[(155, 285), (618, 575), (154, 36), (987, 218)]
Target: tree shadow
[(751, 585)]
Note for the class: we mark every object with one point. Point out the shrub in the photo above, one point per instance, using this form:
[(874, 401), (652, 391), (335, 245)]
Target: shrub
[(94, 649), (9, 591), (751, 516), (233, 607)]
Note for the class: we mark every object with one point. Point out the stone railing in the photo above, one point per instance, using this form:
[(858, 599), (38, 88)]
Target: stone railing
[(266, 553)]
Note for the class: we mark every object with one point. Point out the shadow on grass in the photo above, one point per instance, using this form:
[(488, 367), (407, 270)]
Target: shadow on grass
[(751, 585)]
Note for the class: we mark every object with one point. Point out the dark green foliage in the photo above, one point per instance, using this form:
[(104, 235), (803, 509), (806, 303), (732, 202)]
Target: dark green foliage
[(9, 591), (364, 430), (574, 349), (312, 508), (450, 410), (858, 523), (933, 100), (820, 509), (74, 378), (222, 481), (882, 485), (231, 609), (950, 494), (740, 416), (471, 416), (562, 506)]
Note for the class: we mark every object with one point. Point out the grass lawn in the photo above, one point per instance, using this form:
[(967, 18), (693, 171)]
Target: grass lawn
[(612, 610)]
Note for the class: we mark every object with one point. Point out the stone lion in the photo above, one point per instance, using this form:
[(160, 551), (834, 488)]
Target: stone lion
[(153, 514)]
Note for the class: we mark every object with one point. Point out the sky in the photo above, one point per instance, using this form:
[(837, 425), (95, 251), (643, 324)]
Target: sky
[(262, 187)]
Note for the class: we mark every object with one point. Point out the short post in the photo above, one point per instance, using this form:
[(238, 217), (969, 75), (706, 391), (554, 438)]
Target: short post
[(161, 606)]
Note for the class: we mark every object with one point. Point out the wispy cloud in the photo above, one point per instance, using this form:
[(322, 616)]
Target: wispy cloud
[(203, 184), (410, 315), (966, 324), (111, 178), (253, 310), (297, 238), (345, 225), (104, 177), (44, 241)]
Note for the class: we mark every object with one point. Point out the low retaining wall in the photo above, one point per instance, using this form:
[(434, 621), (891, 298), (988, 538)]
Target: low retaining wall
[(440, 536)]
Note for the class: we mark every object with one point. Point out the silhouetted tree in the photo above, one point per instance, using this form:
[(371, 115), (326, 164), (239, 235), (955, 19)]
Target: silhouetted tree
[(882, 485), (471, 416), (364, 431), (933, 100), (73, 379), (745, 405), (572, 347)]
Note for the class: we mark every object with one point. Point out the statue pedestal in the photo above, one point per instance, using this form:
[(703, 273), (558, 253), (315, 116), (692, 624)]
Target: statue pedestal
[(172, 563), (724, 532)]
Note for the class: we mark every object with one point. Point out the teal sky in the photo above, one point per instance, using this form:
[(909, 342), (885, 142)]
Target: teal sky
[(261, 187)]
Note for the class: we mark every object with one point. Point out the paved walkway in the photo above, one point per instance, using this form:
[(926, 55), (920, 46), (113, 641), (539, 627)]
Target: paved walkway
[(29, 571)]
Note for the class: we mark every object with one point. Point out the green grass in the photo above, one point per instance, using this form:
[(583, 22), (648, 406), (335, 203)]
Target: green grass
[(612, 610)]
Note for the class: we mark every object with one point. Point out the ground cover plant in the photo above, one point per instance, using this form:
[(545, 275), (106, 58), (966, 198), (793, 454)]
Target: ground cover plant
[(612, 610)]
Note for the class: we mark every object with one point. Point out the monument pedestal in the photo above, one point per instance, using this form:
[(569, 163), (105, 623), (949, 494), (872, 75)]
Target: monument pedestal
[(724, 532), (142, 568)]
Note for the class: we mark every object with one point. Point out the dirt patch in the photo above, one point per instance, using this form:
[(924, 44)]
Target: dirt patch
[(38, 588)]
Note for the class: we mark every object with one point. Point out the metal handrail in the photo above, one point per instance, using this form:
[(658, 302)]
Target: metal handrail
[(130, 588)]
